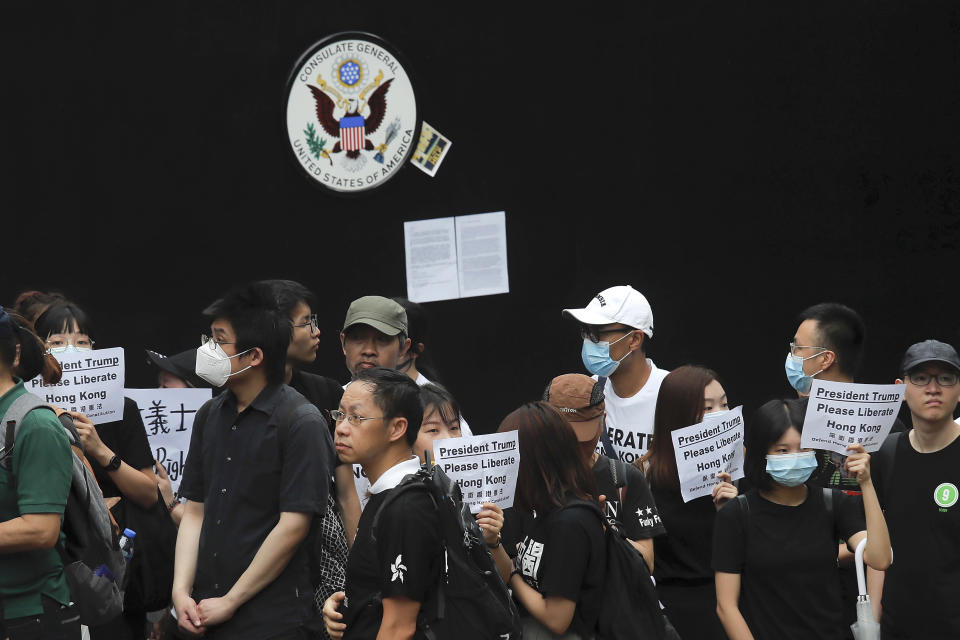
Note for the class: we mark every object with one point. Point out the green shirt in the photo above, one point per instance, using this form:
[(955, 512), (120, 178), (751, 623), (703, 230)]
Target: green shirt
[(43, 467)]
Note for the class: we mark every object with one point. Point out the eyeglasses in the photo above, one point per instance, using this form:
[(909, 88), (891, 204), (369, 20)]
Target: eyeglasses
[(59, 344), (794, 347), (312, 323), (213, 343), (922, 379), (591, 333), (339, 416)]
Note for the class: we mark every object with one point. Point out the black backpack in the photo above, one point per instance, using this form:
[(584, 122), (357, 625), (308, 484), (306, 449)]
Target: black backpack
[(471, 600), (90, 540), (630, 607)]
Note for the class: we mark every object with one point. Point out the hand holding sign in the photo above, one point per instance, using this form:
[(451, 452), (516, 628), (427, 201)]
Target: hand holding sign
[(709, 450), (485, 467), (840, 414), (858, 463)]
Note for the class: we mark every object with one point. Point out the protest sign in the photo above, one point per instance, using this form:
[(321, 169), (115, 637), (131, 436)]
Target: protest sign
[(703, 450), (843, 413), (168, 418), (485, 467), (92, 383)]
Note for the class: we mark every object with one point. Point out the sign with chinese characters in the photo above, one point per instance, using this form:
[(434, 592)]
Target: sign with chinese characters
[(843, 413), (485, 467), (92, 383), (703, 450), (168, 418)]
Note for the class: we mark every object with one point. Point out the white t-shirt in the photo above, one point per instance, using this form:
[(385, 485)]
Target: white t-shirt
[(464, 427), (630, 420)]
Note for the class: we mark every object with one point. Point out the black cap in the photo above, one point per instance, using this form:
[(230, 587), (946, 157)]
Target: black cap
[(183, 365), (929, 351)]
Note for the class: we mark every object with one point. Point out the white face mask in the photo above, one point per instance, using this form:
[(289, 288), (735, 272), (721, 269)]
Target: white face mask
[(213, 365)]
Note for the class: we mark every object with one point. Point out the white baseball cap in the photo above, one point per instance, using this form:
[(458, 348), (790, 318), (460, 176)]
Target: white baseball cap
[(622, 304)]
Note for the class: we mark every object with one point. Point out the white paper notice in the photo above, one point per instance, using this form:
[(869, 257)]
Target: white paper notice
[(431, 248), (844, 413), (168, 418), (706, 449), (485, 467), (92, 384), (482, 254), (461, 257)]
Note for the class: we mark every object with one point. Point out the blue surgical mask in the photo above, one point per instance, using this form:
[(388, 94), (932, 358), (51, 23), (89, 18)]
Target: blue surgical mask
[(596, 356), (795, 375), (791, 469)]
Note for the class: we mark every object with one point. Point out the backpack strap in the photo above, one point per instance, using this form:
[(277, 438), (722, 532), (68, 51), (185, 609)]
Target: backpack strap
[(10, 425), (415, 482), (608, 449), (618, 472)]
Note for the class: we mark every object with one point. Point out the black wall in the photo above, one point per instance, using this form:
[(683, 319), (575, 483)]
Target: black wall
[(734, 161)]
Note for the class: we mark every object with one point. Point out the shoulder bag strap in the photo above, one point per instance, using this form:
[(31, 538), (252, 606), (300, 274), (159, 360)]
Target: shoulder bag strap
[(10, 425), (888, 451)]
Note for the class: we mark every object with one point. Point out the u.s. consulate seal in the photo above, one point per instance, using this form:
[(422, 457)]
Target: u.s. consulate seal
[(351, 112)]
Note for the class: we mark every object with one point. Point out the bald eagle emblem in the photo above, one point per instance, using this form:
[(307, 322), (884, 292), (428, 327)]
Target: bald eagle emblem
[(361, 116)]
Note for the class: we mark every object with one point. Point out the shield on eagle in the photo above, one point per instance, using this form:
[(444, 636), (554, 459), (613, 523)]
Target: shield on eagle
[(352, 132)]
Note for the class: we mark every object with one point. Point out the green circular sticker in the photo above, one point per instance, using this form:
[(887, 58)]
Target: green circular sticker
[(945, 495)]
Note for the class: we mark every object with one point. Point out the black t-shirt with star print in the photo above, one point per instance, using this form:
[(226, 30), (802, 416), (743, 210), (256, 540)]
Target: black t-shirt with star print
[(404, 560), (638, 516)]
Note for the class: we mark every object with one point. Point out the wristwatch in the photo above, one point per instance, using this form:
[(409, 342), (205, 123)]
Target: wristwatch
[(114, 463), (173, 504), (495, 544)]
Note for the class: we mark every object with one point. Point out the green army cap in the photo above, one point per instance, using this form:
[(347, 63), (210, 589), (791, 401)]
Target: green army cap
[(383, 314)]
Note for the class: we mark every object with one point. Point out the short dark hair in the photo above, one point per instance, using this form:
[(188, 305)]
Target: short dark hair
[(30, 304), (60, 317), (841, 330), (289, 293), (257, 322), (552, 466), (397, 396), (433, 396), (768, 425)]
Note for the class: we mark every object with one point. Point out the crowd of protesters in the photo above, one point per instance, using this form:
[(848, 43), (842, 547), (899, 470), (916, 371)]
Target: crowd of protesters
[(268, 537)]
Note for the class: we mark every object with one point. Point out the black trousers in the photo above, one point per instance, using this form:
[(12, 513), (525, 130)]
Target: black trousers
[(57, 622)]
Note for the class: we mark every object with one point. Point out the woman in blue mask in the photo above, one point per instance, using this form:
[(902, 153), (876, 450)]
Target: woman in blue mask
[(775, 548)]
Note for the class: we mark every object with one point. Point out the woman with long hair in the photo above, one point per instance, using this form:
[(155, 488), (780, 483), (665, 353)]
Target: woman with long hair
[(776, 556), (682, 566), (118, 452), (561, 560)]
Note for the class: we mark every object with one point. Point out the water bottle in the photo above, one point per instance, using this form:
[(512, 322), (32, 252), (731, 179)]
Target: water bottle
[(126, 543)]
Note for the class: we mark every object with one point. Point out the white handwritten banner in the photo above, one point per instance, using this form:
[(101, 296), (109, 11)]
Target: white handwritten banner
[(92, 383), (703, 450), (843, 413), (485, 467), (168, 418)]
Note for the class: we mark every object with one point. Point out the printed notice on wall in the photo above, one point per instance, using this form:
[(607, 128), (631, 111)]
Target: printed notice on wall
[(168, 418), (92, 383), (456, 257), (843, 413), (485, 467), (706, 449)]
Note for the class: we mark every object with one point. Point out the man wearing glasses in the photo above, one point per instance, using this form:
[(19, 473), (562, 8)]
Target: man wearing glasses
[(388, 576), (917, 476), (616, 326), (257, 471)]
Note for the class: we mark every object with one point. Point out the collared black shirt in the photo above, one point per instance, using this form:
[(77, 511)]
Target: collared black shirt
[(245, 476)]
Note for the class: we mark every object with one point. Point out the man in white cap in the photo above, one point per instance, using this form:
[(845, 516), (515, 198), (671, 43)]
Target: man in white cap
[(616, 326)]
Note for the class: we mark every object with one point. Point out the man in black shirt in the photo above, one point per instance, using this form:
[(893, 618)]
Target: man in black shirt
[(580, 400), (388, 576), (917, 476), (255, 475)]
